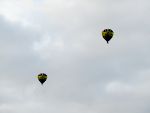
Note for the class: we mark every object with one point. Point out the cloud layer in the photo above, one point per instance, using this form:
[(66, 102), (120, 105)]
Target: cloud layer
[(62, 38)]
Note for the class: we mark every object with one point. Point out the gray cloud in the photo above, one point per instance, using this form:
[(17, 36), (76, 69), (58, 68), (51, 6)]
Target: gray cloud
[(63, 39)]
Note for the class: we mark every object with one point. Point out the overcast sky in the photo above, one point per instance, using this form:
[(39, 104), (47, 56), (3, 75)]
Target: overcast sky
[(62, 38)]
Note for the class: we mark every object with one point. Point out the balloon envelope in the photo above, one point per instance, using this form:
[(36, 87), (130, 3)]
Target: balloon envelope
[(107, 34), (42, 77)]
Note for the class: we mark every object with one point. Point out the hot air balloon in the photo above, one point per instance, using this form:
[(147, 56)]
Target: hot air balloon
[(107, 34), (42, 77)]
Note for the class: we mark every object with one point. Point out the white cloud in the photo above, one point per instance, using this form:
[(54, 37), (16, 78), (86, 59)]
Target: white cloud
[(48, 47), (23, 12), (118, 88)]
